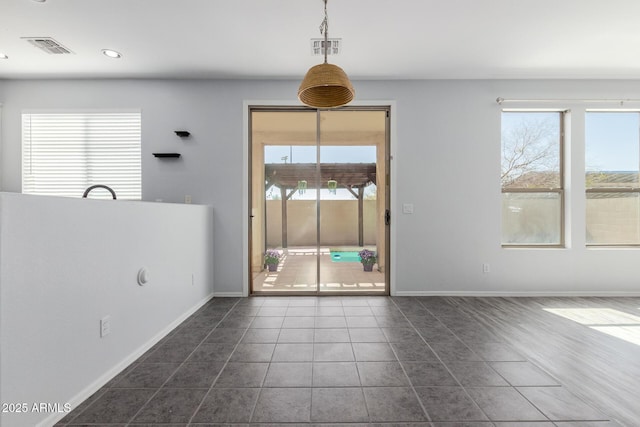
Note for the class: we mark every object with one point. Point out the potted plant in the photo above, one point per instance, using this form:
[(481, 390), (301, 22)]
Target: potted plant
[(272, 259), (367, 258)]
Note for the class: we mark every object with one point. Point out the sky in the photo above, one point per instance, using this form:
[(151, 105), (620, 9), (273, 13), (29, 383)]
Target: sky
[(612, 139), (328, 154)]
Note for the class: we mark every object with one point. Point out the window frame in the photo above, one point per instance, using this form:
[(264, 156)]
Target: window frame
[(559, 190), (599, 190), (122, 116)]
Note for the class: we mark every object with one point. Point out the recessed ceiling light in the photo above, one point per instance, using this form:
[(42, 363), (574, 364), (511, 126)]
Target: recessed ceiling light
[(3, 56), (111, 53)]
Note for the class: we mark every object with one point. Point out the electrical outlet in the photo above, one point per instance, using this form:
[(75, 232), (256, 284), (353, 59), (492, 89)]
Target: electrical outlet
[(407, 208), (187, 199), (105, 326), (486, 268)]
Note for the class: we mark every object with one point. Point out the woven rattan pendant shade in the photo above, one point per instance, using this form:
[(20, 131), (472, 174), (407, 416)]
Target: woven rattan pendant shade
[(326, 86)]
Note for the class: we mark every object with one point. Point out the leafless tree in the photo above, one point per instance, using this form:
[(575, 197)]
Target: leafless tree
[(530, 153)]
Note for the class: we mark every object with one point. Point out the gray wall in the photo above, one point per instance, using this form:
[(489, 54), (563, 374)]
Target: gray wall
[(446, 149), (55, 287)]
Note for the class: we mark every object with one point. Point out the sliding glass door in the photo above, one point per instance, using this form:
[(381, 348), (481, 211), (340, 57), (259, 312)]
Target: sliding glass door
[(319, 194), (349, 144), (284, 201)]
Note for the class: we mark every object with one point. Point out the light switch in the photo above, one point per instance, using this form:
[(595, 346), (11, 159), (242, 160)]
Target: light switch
[(407, 208)]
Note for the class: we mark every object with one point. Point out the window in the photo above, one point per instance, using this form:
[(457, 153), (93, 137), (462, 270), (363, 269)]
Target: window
[(532, 178), (64, 153), (612, 157)]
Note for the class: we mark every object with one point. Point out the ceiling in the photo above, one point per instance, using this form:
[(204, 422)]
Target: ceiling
[(339, 127), (382, 39)]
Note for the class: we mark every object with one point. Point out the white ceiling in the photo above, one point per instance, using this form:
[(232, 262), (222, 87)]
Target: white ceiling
[(382, 39)]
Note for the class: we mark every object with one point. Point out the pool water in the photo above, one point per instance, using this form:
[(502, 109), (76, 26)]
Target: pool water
[(345, 256)]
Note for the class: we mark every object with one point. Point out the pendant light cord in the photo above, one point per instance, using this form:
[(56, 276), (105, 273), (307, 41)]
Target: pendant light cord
[(325, 85), (324, 29)]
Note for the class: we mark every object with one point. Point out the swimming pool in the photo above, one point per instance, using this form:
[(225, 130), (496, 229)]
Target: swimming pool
[(345, 256)]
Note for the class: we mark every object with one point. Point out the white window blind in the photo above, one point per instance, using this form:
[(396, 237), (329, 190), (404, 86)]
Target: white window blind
[(64, 153)]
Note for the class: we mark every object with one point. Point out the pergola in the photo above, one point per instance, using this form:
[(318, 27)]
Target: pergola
[(352, 176)]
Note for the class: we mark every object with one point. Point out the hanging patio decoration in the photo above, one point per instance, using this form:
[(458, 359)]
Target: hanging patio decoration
[(302, 186), (332, 185)]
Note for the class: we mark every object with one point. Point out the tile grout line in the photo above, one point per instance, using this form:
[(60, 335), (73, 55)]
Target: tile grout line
[(404, 310), (463, 387), (83, 410), (229, 310), (439, 358), (138, 362), (212, 386), (261, 387), (516, 388), (402, 367)]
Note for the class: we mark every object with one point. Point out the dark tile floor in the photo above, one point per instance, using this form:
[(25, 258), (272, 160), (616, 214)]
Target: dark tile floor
[(334, 361)]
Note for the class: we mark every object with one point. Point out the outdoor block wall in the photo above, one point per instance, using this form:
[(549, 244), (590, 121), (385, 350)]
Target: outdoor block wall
[(338, 222), (613, 219), (609, 220)]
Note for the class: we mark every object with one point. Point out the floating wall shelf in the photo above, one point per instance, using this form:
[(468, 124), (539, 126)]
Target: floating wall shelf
[(167, 155), (183, 133)]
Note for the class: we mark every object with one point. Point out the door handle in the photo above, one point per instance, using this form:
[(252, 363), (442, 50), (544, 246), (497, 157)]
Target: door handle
[(387, 217)]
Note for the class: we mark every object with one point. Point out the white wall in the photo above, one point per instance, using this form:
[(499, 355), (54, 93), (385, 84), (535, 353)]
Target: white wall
[(446, 148), (67, 263)]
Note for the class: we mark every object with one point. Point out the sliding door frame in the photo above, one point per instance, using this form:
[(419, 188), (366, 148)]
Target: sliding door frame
[(386, 180)]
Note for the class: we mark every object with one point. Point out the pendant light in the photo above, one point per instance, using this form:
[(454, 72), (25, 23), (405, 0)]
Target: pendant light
[(325, 85)]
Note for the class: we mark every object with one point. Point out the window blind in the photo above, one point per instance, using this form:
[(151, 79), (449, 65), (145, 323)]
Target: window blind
[(64, 153)]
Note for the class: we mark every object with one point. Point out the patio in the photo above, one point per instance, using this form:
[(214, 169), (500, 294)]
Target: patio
[(297, 273)]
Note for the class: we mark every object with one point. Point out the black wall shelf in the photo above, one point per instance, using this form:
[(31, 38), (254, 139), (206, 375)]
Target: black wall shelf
[(167, 155)]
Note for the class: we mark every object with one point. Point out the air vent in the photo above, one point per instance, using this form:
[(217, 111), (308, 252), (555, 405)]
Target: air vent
[(48, 45), (317, 47)]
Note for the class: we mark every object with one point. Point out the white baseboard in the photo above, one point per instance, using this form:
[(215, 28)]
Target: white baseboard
[(227, 294), (109, 375), (517, 294)]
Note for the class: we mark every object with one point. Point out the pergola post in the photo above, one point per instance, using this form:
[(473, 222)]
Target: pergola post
[(360, 197), (283, 197), (360, 216)]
